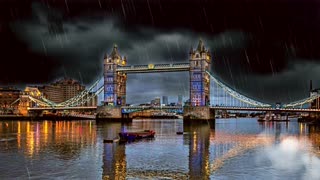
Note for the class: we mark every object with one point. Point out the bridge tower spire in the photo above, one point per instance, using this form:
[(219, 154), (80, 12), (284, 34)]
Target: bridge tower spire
[(114, 82), (200, 60)]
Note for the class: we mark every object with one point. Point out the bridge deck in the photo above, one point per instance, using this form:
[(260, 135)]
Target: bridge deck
[(180, 107), (151, 107), (63, 108), (155, 68), (264, 109)]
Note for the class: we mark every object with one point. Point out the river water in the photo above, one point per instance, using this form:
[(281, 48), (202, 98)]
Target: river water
[(238, 148)]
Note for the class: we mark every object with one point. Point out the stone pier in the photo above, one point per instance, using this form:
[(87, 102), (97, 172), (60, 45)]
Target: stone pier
[(111, 113), (198, 114)]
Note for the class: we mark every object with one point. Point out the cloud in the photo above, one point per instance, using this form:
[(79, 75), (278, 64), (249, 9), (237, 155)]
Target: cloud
[(287, 86), (78, 45)]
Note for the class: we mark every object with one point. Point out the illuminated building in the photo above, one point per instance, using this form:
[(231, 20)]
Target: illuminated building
[(52, 92), (8, 95), (62, 90)]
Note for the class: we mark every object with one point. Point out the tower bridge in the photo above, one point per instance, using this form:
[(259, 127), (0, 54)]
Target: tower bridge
[(207, 93), (116, 70)]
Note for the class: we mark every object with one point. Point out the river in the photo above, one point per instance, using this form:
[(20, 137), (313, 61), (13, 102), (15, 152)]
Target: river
[(240, 148)]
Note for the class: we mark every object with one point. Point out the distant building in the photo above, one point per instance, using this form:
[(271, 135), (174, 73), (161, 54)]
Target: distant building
[(187, 103), (315, 104), (179, 100), (93, 101), (165, 100), (62, 90), (156, 101), (53, 93), (8, 95)]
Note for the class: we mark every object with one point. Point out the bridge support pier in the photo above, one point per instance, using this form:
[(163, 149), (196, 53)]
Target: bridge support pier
[(198, 114), (111, 113)]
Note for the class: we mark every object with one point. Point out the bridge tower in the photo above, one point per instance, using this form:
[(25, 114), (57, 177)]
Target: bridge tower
[(200, 60), (24, 104), (114, 82)]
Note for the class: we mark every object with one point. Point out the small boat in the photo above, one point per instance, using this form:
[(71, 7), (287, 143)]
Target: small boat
[(110, 140), (131, 136)]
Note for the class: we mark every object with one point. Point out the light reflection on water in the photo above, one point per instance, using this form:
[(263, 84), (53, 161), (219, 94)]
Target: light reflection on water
[(235, 149)]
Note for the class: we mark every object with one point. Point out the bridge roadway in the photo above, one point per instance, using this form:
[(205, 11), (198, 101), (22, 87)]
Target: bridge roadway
[(264, 109), (180, 107), (154, 68), (63, 108)]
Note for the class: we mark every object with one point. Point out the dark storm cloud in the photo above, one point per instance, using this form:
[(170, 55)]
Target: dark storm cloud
[(263, 58), (81, 50)]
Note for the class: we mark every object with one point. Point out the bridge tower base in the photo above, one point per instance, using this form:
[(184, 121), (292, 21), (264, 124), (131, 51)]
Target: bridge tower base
[(112, 114), (198, 114)]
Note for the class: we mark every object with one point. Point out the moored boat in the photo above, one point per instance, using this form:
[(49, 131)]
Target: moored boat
[(131, 136)]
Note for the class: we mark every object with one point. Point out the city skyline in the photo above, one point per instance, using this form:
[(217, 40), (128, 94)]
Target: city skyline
[(267, 56)]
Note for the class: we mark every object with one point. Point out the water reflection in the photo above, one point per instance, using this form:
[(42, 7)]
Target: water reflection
[(39, 147), (163, 157), (114, 154), (198, 139), (235, 149), (314, 136)]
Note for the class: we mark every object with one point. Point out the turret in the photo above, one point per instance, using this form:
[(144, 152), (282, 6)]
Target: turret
[(124, 61), (105, 58), (114, 53)]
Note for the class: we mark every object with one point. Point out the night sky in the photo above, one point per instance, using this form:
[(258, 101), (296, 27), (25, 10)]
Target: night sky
[(266, 49)]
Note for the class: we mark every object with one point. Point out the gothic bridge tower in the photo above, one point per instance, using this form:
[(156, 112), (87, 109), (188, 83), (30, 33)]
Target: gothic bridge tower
[(114, 82), (200, 60)]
